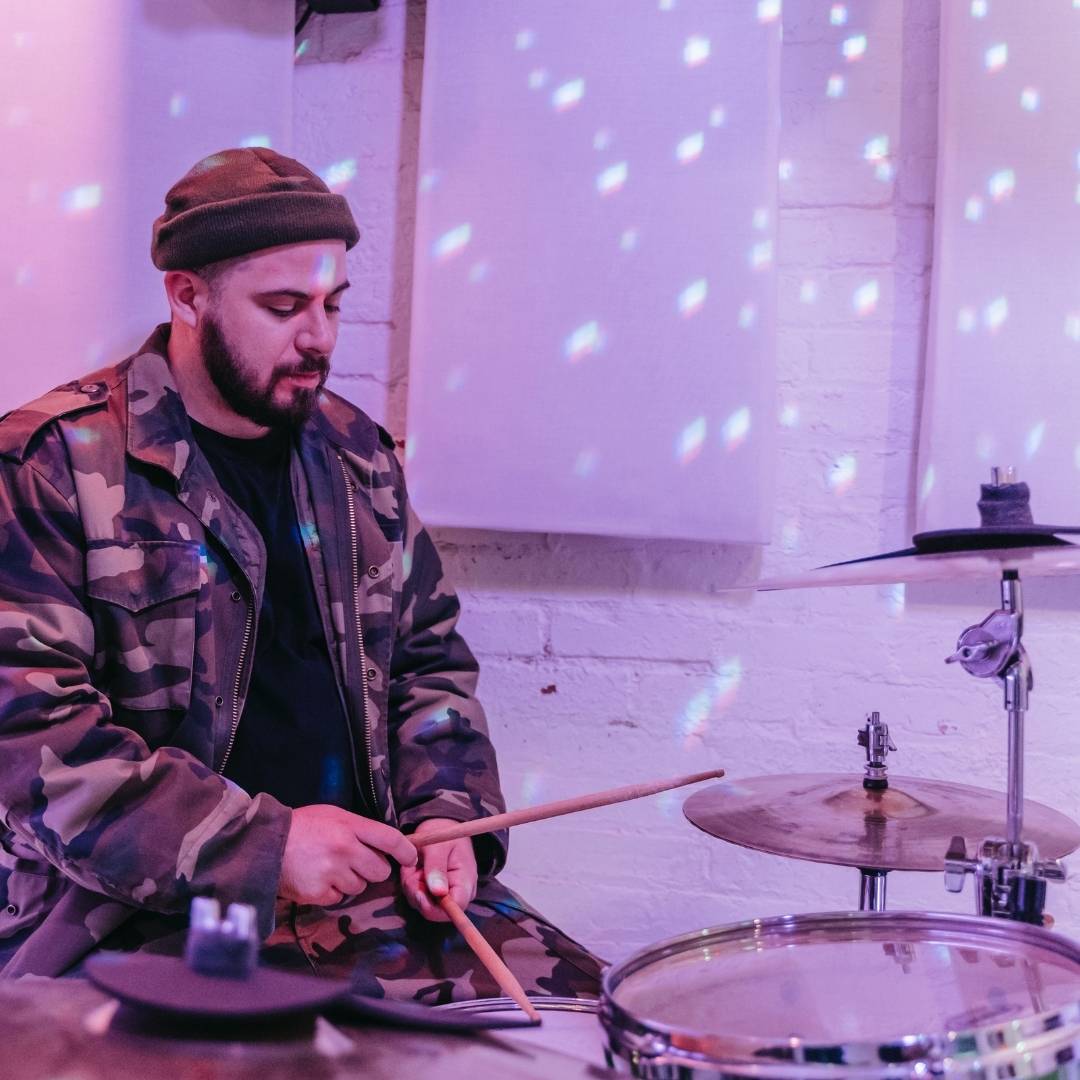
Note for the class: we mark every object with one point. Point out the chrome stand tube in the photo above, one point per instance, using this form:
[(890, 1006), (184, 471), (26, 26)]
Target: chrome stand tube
[(872, 890)]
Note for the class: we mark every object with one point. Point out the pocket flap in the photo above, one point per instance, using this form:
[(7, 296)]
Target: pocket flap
[(140, 573)]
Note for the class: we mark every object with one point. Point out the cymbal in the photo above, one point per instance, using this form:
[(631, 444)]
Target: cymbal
[(899, 567), (831, 818)]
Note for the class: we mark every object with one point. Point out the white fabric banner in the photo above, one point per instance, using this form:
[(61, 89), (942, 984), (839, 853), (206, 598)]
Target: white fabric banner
[(1003, 378), (594, 298)]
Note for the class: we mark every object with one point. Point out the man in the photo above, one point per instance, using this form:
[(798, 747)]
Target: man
[(228, 657)]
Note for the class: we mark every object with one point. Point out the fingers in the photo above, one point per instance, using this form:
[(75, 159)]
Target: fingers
[(386, 839), (369, 864)]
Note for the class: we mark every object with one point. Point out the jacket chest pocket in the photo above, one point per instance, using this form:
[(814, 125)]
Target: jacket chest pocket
[(145, 594)]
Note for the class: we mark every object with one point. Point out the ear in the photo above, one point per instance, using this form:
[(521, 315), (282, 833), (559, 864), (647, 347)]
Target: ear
[(188, 296)]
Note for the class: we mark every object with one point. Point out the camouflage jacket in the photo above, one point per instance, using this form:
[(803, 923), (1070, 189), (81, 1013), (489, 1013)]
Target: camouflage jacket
[(129, 588)]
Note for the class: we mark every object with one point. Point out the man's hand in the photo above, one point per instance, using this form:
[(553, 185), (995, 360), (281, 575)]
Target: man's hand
[(330, 853), (444, 868)]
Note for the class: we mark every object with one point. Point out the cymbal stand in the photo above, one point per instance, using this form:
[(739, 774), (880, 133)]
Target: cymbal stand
[(1010, 878), (874, 737)]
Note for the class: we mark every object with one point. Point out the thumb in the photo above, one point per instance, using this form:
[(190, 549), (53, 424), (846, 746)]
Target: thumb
[(435, 860)]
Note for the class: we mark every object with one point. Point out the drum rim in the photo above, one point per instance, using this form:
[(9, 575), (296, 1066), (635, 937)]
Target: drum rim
[(542, 1004), (649, 1039)]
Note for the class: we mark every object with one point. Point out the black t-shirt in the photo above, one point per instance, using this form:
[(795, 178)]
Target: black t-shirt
[(293, 740)]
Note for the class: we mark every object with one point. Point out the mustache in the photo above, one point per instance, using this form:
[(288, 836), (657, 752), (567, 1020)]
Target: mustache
[(311, 365)]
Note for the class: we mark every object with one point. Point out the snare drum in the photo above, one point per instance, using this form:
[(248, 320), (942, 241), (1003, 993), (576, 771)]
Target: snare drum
[(859, 994), (567, 1025)]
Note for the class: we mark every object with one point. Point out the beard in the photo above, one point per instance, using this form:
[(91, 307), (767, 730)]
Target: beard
[(245, 395)]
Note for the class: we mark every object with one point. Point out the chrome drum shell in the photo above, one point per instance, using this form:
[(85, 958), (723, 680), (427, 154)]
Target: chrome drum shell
[(849, 994)]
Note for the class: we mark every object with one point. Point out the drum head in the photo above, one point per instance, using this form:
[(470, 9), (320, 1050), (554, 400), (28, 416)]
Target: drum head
[(865, 989)]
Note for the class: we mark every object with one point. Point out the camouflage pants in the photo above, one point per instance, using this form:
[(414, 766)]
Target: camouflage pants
[(384, 948)]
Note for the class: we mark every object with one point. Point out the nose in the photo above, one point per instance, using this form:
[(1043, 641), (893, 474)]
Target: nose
[(317, 334)]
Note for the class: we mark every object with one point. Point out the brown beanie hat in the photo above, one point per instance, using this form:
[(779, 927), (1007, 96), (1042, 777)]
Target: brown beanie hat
[(238, 201)]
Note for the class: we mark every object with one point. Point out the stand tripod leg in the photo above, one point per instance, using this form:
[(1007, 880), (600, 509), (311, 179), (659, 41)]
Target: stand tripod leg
[(872, 890)]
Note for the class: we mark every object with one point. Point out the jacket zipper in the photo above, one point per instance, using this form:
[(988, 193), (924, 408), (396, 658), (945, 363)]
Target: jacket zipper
[(248, 623), (349, 504)]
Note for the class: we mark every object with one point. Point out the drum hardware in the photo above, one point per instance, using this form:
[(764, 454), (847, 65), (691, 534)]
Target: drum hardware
[(1010, 878), (873, 736)]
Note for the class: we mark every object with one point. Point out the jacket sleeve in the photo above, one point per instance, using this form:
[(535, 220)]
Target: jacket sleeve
[(443, 761), (150, 828)]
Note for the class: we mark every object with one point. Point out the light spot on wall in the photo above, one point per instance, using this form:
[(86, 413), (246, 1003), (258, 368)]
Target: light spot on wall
[(761, 255), (1001, 185), (23, 276), (790, 535), (966, 320), (747, 315), (455, 378), (692, 298), (984, 446), (532, 787), (82, 199), (996, 57), (854, 48), (602, 139), (974, 208), (696, 50), (452, 243), (302, 48), (584, 341), (429, 181), (876, 149), (1072, 326), (585, 463), (841, 474), (255, 140), (410, 447), (178, 105), (834, 88), (689, 148), (538, 78), (896, 599), (1034, 439), (865, 298), (808, 291), (717, 116), (979, 8), (479, 272), (1030, 99), (761, 218), (628, 241), (838, 14), (995, 313), (789, 415), (568, 95), (927, 484), (768, 10), (340, 174), (691, 440), (524, 39), (785, 169), (735, 428), (612, 178)]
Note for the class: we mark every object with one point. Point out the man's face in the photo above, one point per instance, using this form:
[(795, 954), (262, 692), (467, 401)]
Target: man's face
[(271, 325)]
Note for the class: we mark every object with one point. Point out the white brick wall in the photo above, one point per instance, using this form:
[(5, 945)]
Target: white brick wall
[(655, 669)]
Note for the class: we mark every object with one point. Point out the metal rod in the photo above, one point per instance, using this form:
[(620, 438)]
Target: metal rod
[(1015, 678), (872, 890)]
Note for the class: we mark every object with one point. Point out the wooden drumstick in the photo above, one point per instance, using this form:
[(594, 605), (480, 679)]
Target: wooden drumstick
[(555, 809), (488, 956)]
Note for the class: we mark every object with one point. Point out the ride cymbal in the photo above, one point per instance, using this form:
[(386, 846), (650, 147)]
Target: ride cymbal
[(832, 818)]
